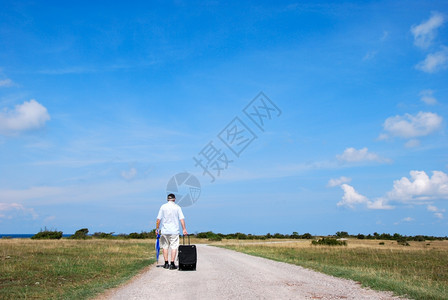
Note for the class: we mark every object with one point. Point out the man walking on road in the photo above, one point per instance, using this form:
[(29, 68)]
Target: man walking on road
[(169, 216)]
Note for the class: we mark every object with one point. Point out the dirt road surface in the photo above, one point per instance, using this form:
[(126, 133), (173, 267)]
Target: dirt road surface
[(226, 274)]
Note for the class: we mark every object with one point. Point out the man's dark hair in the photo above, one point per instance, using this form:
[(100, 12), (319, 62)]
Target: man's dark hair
[(171, 196)]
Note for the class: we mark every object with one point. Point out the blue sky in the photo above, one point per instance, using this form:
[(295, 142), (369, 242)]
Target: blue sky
[(101, 104)]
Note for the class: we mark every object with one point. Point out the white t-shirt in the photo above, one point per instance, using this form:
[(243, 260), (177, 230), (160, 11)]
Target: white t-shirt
[(169, 215)]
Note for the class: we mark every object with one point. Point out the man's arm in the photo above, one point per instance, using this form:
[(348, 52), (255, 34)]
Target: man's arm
[(157, 226), (182, 222)]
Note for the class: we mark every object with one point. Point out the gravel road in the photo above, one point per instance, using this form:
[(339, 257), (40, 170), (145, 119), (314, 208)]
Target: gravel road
[(226, 274)]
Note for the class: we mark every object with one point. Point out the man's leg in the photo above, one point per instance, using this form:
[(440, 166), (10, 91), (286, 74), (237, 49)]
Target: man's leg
[(174, 243), (173, 255), (165, 245), (165, 254), (173, 258)]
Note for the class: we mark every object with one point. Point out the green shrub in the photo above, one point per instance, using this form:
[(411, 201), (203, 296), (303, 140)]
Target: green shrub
[(47, 235), (80, 234), (204, 235), (403, 242), (241, 236), (103, 235), (329, 242), (215, 238), (307, 236), (135, 235), (419, 238), (342, 234), (141, 235)]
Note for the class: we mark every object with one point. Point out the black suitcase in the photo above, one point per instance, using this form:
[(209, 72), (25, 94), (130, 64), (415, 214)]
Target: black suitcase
[(187, 256)]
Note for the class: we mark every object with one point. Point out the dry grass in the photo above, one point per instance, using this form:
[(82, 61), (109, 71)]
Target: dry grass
[(71, 269), (68, 269), (352, 243), (419, 270)]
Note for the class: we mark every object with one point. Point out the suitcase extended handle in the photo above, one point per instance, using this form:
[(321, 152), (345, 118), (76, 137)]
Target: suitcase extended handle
[(183, 236)]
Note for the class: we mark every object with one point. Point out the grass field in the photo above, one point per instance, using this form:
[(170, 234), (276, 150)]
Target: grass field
[(419, 271), (68, 269), (80, 269)]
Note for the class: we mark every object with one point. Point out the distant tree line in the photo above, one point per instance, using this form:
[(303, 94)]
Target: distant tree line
[(338, 235), (83, 234), (211, 236), (392, 237)]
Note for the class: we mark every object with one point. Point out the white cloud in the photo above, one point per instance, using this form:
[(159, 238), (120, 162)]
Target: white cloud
[(42, 192), (410, 126), (128, 175), (26, 116), (351, 197), (383, 136), (424, 35), (353, 155), (438, 213), (427, 97), (434, 61), (412, 143), (85, 191), (380, 203), (425, 32), (6, 82), (432, 208), (407, 219), (81, 193), (6, 208), (338, 181), (421, 188)]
